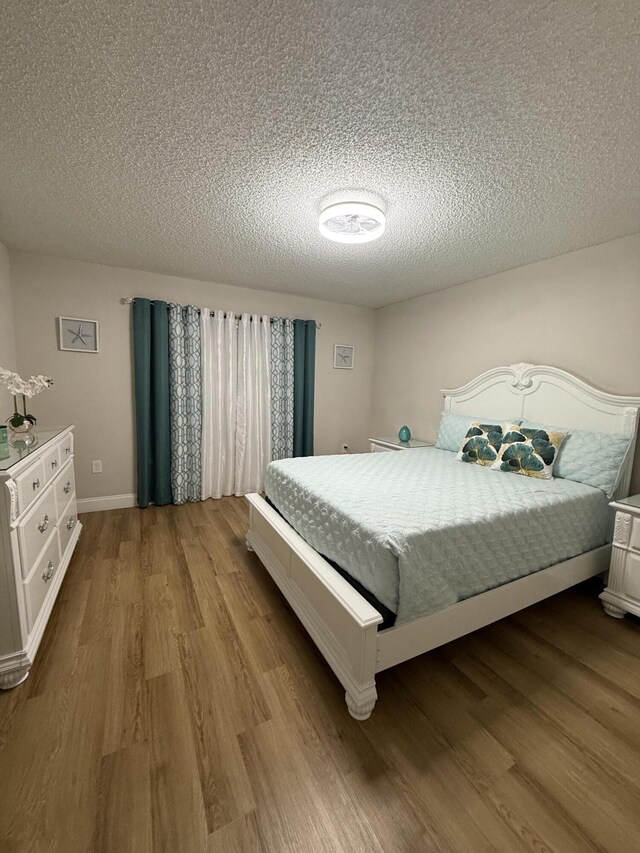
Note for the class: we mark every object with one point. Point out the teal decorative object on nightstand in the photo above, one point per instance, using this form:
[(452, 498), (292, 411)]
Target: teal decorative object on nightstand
[(404, 433)]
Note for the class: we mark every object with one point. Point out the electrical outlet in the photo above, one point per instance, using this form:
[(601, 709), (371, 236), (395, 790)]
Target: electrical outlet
[(96, 466), (345, 448)]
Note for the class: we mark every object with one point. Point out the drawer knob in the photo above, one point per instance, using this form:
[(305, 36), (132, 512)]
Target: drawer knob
[(67, 488), (48, 572), (54, 463), (36, 485), (43, 524), (70, 522), (67, 450)]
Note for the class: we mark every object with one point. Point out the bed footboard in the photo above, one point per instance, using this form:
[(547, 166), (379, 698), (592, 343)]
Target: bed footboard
[(340, 621)]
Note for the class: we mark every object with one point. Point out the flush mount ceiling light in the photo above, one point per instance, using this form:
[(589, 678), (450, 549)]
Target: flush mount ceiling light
[(352, 222)]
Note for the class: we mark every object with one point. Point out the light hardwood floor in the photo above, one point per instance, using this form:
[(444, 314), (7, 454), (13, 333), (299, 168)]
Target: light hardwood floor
[(177, 705)]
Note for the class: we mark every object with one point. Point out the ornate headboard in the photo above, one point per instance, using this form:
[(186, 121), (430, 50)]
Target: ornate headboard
[(550, 395)]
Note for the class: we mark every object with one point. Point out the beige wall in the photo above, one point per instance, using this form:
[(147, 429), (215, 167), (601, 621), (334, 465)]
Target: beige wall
[(579, 311), (7, 339), (95, 391)]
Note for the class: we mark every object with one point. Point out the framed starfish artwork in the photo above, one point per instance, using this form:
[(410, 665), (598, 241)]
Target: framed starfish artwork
[(343, 356), (77, 335)]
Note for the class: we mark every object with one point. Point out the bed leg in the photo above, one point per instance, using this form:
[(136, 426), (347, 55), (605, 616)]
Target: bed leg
[(248, 544), (612, 610), (361, 705)]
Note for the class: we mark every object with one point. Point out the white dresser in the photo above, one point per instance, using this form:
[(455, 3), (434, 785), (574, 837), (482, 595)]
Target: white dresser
[(39, 529)]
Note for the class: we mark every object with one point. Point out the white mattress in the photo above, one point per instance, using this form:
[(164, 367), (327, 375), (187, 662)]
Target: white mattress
[(421, 530)]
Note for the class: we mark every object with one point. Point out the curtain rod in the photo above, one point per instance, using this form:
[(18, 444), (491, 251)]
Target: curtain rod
[(127, 300)]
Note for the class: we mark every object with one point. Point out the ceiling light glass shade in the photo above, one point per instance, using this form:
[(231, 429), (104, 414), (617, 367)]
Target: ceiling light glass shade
[(352, 222)]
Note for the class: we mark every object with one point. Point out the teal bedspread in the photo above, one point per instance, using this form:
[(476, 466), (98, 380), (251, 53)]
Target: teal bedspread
[(422, 531)]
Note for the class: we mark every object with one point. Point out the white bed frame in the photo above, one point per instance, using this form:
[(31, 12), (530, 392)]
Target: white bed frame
[(344, 625)]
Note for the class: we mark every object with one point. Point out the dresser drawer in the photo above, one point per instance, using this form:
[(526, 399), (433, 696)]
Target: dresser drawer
[(30, 484), (36, 527), (40, 582), (67, 524), (51, 462), (65, 487)]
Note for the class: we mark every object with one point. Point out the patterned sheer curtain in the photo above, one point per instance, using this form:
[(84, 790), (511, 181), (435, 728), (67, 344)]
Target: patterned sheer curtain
[(236, 421), (281, 353), (185, 397)]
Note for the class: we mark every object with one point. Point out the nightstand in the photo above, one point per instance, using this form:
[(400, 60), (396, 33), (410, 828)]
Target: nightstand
[(377, 445), (622, 594)]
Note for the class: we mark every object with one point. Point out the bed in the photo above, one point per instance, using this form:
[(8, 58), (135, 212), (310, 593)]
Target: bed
[(412, 551)]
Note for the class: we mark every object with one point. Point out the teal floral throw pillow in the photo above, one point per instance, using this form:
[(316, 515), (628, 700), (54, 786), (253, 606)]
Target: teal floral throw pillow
[(481, 445), (528, 451)]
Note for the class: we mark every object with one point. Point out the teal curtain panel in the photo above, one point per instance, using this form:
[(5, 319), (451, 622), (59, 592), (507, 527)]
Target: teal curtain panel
[(281, 377), (151, 372), (304, 376), (185, 397)]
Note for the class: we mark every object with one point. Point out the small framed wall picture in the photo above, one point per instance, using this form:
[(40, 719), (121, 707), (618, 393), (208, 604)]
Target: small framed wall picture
[(343, 356), (77, 335)]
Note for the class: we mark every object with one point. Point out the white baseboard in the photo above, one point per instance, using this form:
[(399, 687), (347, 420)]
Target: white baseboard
[(106, 502)]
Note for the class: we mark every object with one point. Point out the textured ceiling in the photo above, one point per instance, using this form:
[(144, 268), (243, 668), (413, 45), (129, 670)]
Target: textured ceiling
[(199, 138)]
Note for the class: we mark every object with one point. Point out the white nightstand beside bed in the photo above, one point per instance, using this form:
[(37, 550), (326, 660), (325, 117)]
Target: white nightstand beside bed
[(376, 445), (346, 627), (622, 594)]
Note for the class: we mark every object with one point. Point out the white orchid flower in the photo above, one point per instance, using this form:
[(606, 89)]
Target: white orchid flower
[(16, 385)]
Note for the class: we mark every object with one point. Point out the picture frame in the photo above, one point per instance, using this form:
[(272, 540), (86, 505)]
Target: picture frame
[(77, 334), (343, 356)]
